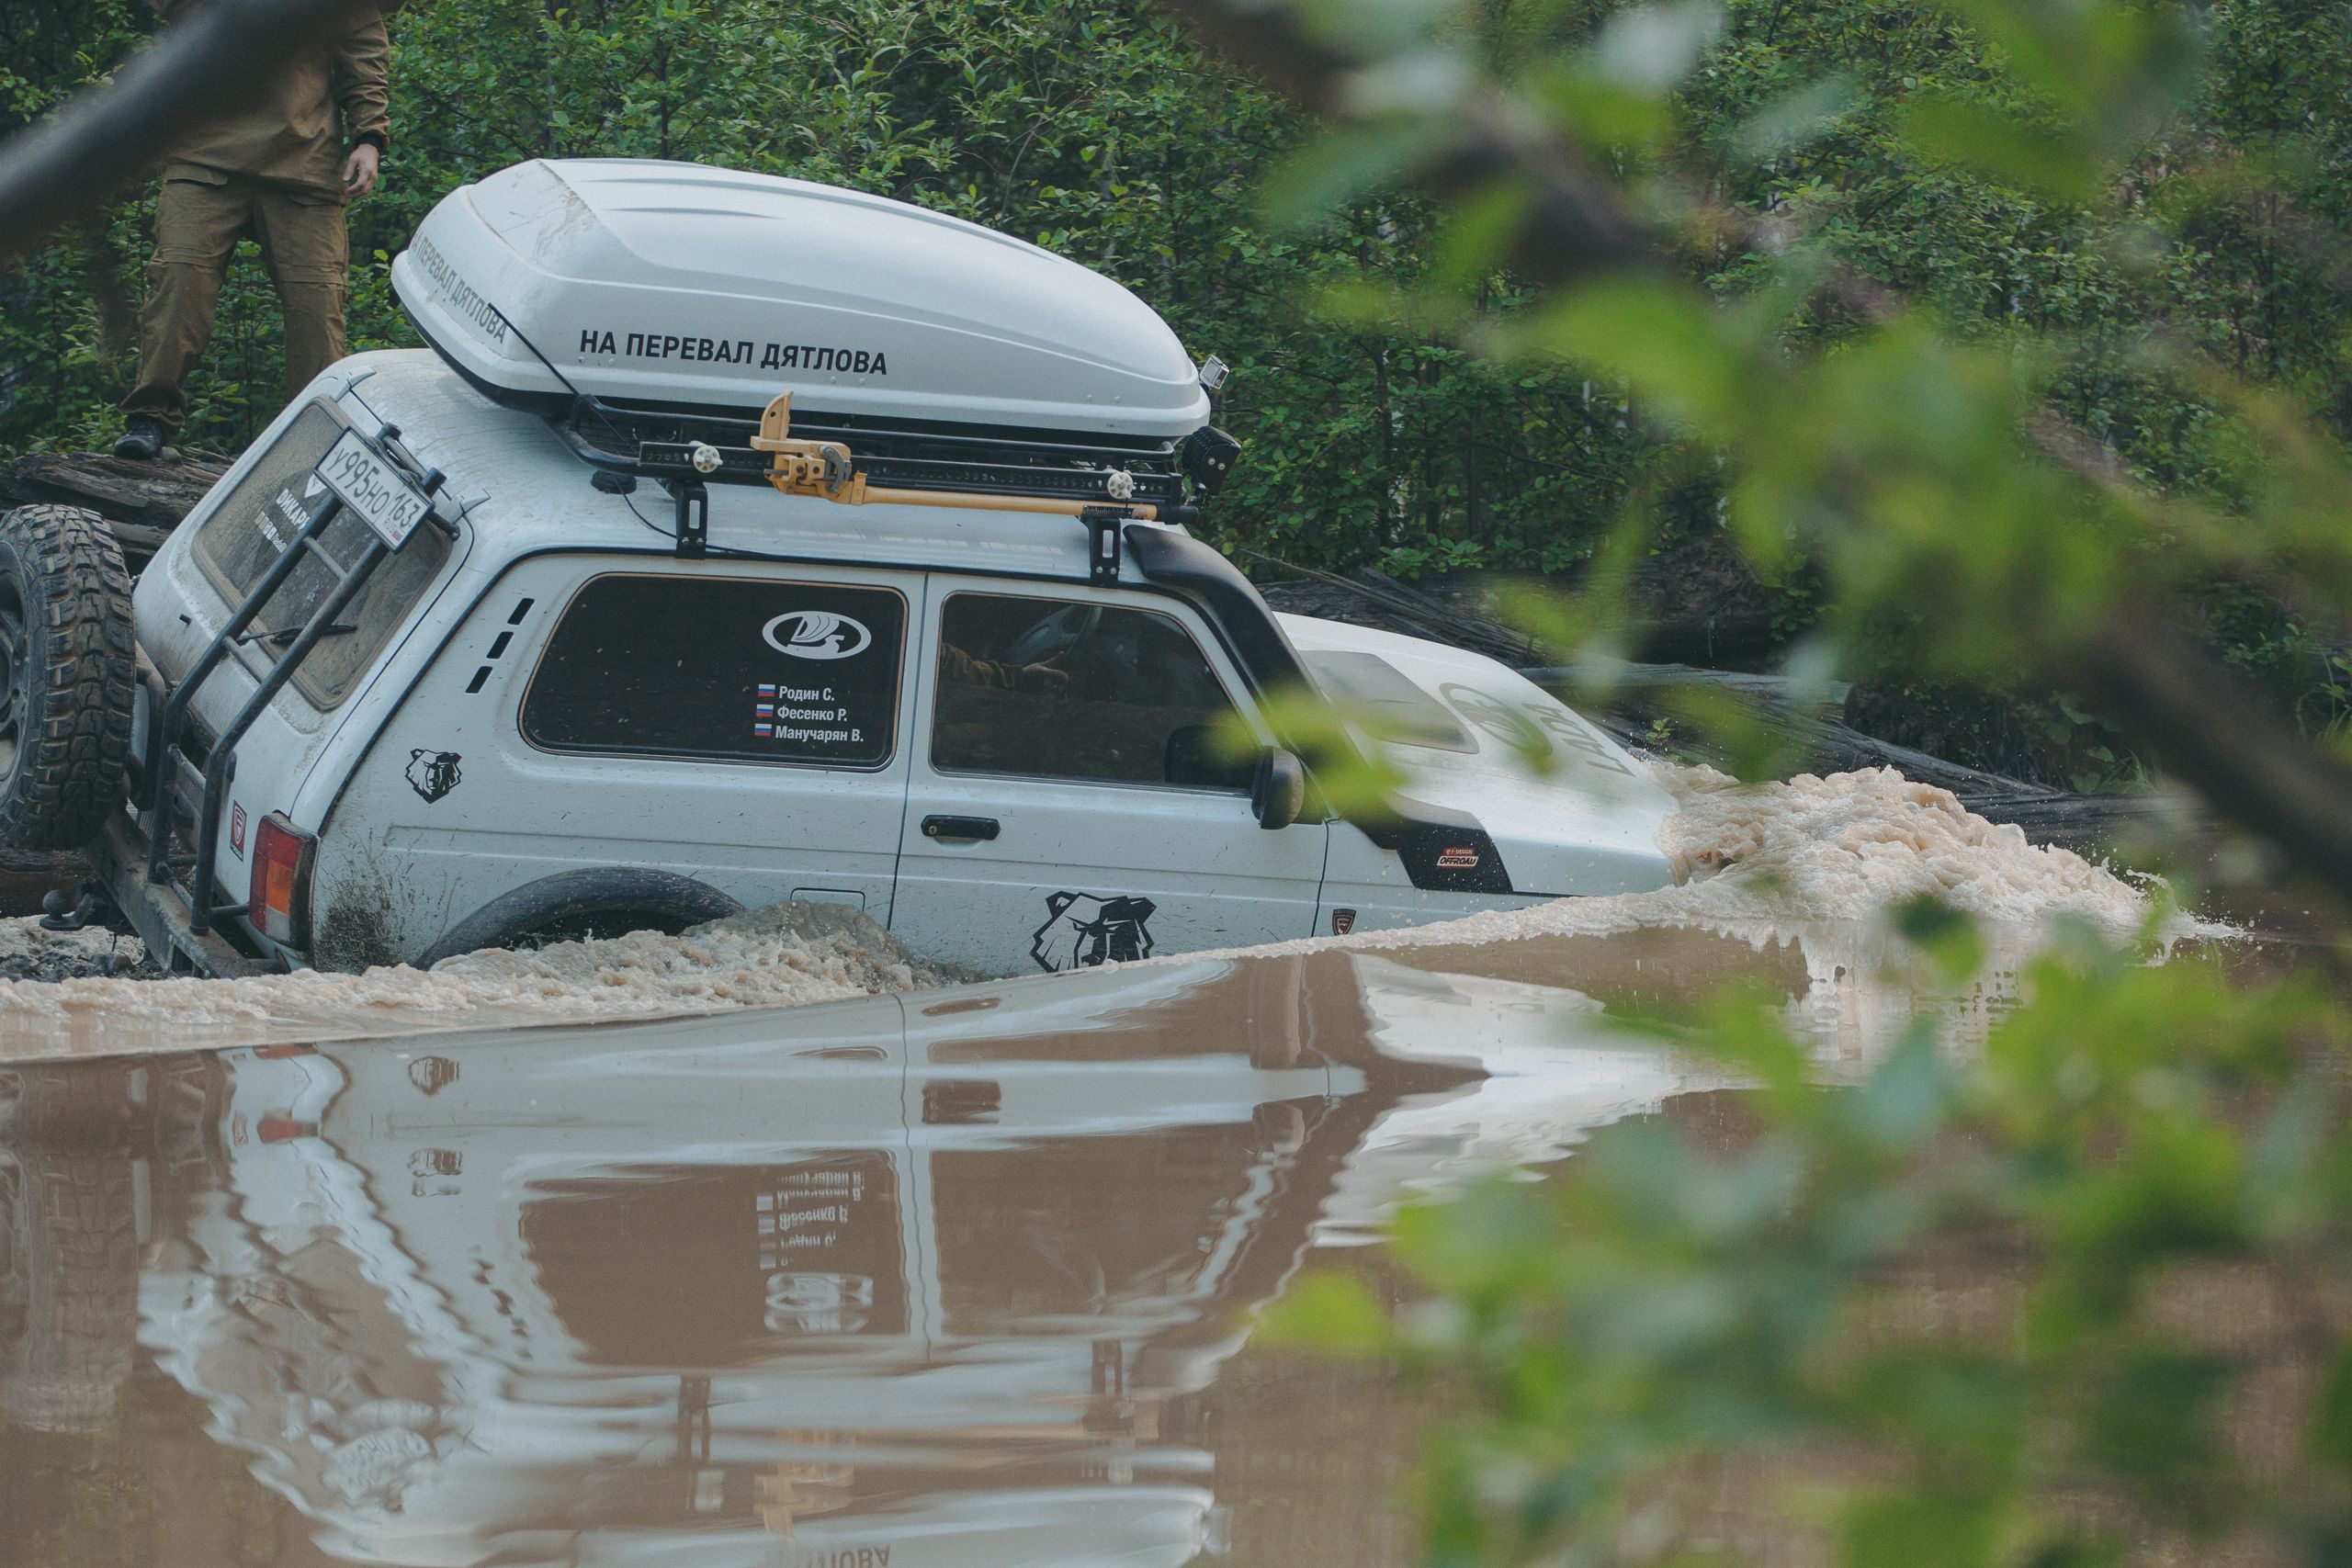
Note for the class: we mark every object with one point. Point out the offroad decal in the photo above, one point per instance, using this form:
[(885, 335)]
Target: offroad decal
[(1568, 727), (1496, 716), (801, 713), (816, 634), (467, 304), (1082, 931), (432, 774), (1444, 857), (1510, 724), (603, 343)]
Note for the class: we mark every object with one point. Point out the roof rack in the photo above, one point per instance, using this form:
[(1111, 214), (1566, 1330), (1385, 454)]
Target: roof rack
[(855, 459), (1102, 482)]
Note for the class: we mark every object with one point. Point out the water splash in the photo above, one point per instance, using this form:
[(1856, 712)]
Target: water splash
[(1811, 860), (789, 955)]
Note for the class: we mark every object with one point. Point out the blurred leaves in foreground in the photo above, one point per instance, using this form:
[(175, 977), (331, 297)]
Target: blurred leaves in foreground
[(2071, 1285), (2083, 1295)]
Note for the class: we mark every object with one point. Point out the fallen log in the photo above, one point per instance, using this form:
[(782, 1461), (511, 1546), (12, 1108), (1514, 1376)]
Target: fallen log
[(144, 501)]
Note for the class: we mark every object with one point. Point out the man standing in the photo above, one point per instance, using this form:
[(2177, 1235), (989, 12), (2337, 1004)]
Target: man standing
[(279, 172)]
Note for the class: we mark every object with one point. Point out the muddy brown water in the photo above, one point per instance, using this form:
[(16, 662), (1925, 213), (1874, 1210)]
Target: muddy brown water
[(955, 1276)]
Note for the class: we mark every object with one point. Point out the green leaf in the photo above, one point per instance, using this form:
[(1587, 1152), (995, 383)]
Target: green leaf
[(1975, 135), (1331, 1312)]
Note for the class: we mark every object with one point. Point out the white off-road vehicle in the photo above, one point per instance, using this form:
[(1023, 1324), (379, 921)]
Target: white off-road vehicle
[(741, 539)]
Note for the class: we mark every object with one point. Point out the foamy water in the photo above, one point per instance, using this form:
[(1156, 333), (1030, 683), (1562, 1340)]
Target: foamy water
[(1846, 846), (1811, 861), (1771, 861), (789, 956)]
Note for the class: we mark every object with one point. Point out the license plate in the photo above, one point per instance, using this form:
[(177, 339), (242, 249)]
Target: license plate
[(380, 493)]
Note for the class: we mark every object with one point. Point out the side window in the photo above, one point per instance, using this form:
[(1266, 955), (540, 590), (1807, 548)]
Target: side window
[(1050, 688), (741, 668), (251, 527)]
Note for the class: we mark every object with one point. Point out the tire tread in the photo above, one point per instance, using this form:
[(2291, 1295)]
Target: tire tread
[(75, 743)]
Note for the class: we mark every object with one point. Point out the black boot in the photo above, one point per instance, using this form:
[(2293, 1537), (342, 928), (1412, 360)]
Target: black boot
[(143, 438)]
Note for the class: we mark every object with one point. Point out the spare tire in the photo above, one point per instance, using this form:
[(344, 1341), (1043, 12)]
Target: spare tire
[(66, 675)]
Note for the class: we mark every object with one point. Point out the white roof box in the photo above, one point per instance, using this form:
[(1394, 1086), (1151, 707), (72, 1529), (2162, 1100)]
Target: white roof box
[(683, 285)]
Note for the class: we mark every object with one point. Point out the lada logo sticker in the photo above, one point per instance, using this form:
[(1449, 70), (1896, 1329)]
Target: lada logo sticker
[(1082, 931), (809, 1301), (816, 634), (237, 829)]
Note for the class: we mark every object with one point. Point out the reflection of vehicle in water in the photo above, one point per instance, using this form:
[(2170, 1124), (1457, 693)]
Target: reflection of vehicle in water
[(922, 1280)]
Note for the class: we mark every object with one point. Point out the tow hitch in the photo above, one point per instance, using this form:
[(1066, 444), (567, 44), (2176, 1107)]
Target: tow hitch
[(61, 911)]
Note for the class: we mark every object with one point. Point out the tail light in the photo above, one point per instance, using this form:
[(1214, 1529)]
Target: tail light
[(281, 909)]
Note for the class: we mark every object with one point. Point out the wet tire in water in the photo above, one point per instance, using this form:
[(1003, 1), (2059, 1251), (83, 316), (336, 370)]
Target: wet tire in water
[(65, 676)]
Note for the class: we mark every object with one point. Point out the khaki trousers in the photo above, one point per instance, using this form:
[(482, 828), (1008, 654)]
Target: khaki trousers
[(199, 218)]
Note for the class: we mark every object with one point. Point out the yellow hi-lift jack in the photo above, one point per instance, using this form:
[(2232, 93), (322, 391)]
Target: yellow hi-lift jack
[(826, 469)]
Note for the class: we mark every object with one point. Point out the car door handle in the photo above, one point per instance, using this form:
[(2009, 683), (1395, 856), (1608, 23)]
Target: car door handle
[(967, 828)]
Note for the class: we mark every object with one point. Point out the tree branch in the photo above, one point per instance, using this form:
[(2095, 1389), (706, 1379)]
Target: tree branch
[(215, 64), (2212, 727)]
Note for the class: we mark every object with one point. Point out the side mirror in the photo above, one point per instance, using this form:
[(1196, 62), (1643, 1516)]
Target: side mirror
[(1278, 788)]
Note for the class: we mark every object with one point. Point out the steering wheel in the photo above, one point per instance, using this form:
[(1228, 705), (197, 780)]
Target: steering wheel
[(1057, 633)]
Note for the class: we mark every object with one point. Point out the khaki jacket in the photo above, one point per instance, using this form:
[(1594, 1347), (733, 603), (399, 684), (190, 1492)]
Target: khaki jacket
[(292, 136)]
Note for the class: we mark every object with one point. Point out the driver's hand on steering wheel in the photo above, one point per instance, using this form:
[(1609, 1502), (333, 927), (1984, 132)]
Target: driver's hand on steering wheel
[(1043, 676)]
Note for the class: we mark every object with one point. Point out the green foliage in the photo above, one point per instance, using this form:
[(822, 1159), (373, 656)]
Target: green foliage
[(1999, 319), (1904, 145), (68, 318), (1998, 1307), (1963, 342), (1095, 130)]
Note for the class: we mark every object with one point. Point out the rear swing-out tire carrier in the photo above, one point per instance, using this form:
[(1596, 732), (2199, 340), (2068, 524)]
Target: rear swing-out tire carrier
[(172, 898)]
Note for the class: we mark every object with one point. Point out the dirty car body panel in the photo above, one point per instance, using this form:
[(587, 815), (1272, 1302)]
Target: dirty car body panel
[(1005, 703)]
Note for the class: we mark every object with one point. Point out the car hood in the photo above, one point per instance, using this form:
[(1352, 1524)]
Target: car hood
[(1570, 810)]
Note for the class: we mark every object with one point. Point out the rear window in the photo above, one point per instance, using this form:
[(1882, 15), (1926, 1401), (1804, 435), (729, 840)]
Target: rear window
[(731, 668), (254, 522), (1384, 700)]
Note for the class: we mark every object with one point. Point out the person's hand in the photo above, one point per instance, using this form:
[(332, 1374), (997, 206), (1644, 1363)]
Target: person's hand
[(359, 171), (1042, 676)]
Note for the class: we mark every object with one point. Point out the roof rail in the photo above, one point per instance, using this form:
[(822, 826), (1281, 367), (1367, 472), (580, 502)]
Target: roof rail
[(903, 462)]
